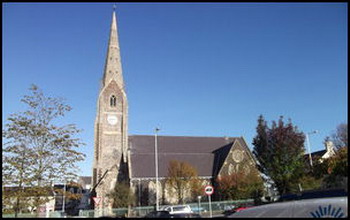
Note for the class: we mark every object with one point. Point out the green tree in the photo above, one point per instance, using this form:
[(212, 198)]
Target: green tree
[(279, 151), (333, 170), (183, 177), (37, 151), (337, 169), (308, 182), (15, 173), (122, 195)]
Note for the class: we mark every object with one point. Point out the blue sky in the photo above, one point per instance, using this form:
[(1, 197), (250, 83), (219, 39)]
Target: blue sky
[(192, 69)]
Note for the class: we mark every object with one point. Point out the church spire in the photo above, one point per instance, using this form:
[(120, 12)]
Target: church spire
[(111, 124), (113, 37), (113, 68)]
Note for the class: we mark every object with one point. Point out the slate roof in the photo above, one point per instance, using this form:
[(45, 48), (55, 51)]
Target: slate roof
[(85, 179), (318, 153), (13, 189), (206, 154), (315, 154), (50, 192)]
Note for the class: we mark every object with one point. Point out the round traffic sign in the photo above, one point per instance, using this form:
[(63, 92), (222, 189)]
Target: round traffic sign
[(209, 190)]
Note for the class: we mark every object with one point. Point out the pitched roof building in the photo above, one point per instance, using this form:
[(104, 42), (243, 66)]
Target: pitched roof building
[(85, 182), (212, 157), (206, 154)]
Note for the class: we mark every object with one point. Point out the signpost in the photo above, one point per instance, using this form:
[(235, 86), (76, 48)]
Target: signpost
[(97, 201), (209, 190), (42, 210)]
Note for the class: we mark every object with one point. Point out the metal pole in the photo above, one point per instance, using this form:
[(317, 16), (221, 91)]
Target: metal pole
[(300, 188), (63, 197), (138, 210), (308, 144), (103, 205), (156, 163), (199, 205), (139, 192), (210, 207)]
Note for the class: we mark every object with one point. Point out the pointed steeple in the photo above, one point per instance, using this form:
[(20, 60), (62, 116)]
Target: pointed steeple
[(113, 68)]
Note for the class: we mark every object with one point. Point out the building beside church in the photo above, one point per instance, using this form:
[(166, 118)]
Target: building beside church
[(212, 157), (321, 155), (122, 157)]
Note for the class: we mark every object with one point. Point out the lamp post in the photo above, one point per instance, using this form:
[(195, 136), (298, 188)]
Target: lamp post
[(156, 164), (63, 197), (308, 144), (199, 204)]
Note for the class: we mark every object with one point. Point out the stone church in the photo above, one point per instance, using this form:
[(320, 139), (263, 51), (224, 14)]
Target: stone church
[(122, 157)]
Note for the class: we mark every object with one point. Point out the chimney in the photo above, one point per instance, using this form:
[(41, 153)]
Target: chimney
[(329, 146)]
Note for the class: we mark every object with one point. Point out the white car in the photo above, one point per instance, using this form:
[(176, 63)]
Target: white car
[(178, 209), (335, 207)]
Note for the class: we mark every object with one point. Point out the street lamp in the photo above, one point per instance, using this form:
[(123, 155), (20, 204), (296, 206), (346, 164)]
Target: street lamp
[(308, 144), (156, 163)]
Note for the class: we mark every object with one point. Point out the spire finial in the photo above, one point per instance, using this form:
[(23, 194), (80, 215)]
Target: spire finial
[(114, 7)]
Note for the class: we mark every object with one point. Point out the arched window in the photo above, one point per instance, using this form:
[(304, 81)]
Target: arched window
[(113, 101)]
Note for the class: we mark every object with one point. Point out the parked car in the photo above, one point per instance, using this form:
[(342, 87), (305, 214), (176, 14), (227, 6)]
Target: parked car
[(228, 212), (242, 208), (304, 208), (186, 215), (166, 214), (198, 210), (158, 214), (237, 208), (178, 209)]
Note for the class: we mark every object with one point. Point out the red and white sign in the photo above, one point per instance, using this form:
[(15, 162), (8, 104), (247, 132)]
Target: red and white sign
[(209, 190), (96, 200)]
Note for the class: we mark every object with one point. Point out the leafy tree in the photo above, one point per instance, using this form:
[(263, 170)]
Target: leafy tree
[(332, 171), (337, 169), (37, 151), (338, 164), (340, 137), (15, 173), (122, 195), (240, 185), (197, 187), (279, 151), (181, 177)]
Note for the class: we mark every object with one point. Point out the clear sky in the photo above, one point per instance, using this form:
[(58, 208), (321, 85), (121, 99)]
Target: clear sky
[(193, 69)]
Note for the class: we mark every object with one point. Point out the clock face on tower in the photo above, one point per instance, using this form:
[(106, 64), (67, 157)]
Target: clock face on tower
[(112, 119)]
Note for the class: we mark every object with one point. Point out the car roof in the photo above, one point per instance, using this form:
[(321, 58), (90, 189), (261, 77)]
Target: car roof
[(298, 208), (176, 206), (313, 194)]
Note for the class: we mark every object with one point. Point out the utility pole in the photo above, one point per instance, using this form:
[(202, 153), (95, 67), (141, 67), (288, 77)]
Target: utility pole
[(308, 144), (156, 164), (63, 197)]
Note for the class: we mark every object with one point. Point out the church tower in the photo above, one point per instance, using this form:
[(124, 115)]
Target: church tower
[(110, 147)]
